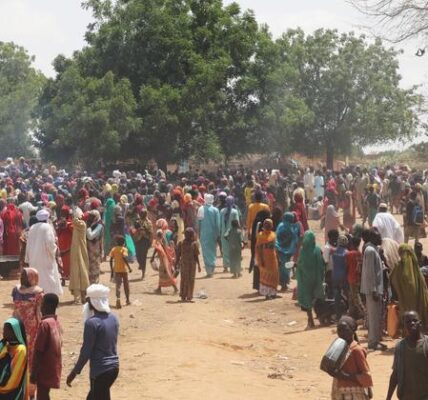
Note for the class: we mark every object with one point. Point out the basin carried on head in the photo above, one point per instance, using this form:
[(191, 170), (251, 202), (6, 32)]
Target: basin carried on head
[(8, 264)]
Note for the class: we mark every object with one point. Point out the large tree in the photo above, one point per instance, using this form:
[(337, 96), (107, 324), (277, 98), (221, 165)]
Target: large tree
[(20, 86), (84, 119), (352, 88), (188, 63)]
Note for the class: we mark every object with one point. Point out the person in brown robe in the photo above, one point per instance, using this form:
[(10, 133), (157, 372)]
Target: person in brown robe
[(187, 260)]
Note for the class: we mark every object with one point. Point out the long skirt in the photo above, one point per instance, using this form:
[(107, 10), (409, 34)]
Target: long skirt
[(284, 273), (269, 279), (166, 278), (225, 249), (187, 282), (95, 258), (348, 393)]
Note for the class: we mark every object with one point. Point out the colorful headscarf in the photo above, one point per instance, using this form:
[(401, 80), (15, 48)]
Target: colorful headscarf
[(17, 330), (162, 224)]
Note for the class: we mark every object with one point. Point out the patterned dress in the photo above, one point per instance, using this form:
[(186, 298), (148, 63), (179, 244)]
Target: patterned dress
[(94, 236), (27, 302)]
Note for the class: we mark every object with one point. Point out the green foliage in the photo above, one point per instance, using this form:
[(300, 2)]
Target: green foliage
[(189, 64), (85, 119), (193, 78), (352, 89), (20, 86)]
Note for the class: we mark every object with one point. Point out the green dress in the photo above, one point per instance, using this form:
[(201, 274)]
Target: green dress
[(235, 250), (310, 273)]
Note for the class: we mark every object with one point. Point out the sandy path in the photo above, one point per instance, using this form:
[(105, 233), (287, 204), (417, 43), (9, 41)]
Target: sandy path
[(229, 346)]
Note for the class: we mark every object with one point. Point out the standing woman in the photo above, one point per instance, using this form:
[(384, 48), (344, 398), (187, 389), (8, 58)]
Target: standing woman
[(209, 230), (187, 260), (287, 237), (64, 233), (94, 241), (166, 263), (300, 210), (13, 357), (267, 261), (13, 225), (227, 215), (79, 260), (27, 299), (236, 242), (310, 275), (353, 379), (257, 227), (409, 284), (108, 219)]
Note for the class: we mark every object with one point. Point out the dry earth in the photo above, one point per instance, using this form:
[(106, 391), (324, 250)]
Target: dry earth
[(232, 345)]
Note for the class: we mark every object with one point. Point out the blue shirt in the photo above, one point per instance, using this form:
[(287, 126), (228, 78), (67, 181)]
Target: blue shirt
[(99, 345), (339, 265)]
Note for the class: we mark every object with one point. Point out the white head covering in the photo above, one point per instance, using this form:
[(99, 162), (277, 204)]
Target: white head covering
[(209, 199), (42, 215), (96, 214), (78, 213), (98, 294)]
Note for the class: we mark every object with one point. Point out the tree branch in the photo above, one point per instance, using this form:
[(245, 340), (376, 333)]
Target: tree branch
[(399, 19)]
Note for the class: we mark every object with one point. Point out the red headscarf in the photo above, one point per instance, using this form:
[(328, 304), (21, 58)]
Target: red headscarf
[(300, 211), (66, 212)]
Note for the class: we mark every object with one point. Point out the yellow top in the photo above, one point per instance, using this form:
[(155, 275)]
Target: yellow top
[(18, 354), (248, 194), (253, 209), (118, 253)]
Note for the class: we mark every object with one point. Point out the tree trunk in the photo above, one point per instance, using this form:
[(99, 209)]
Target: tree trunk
[(330, 156), (226, 161), (162, 164)]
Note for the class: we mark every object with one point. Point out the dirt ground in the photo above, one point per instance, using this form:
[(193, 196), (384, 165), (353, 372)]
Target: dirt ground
[(232, 345)]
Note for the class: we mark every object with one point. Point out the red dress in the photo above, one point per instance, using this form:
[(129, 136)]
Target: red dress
[(13, 225), (300, 210), (65, 234)]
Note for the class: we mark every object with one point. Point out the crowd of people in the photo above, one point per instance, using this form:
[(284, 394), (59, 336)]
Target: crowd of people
[(62, 225)]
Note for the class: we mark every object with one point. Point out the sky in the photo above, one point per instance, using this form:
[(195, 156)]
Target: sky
[(47, 28)]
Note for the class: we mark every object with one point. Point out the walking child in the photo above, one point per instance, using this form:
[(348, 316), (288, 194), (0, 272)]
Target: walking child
[(118, 265)]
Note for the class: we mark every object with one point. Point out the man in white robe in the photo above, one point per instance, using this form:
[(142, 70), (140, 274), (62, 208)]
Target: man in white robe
[(41, 253), (387, 225), (309, 184)]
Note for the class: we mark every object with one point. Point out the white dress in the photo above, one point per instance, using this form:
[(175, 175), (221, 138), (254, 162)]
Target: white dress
[(40, 254)]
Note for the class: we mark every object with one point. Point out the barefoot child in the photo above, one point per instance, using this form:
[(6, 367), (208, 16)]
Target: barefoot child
[(187, 260), (118, 264)]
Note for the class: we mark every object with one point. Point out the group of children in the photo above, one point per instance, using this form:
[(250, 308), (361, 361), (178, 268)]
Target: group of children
[(119, 263), (344, 259)]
